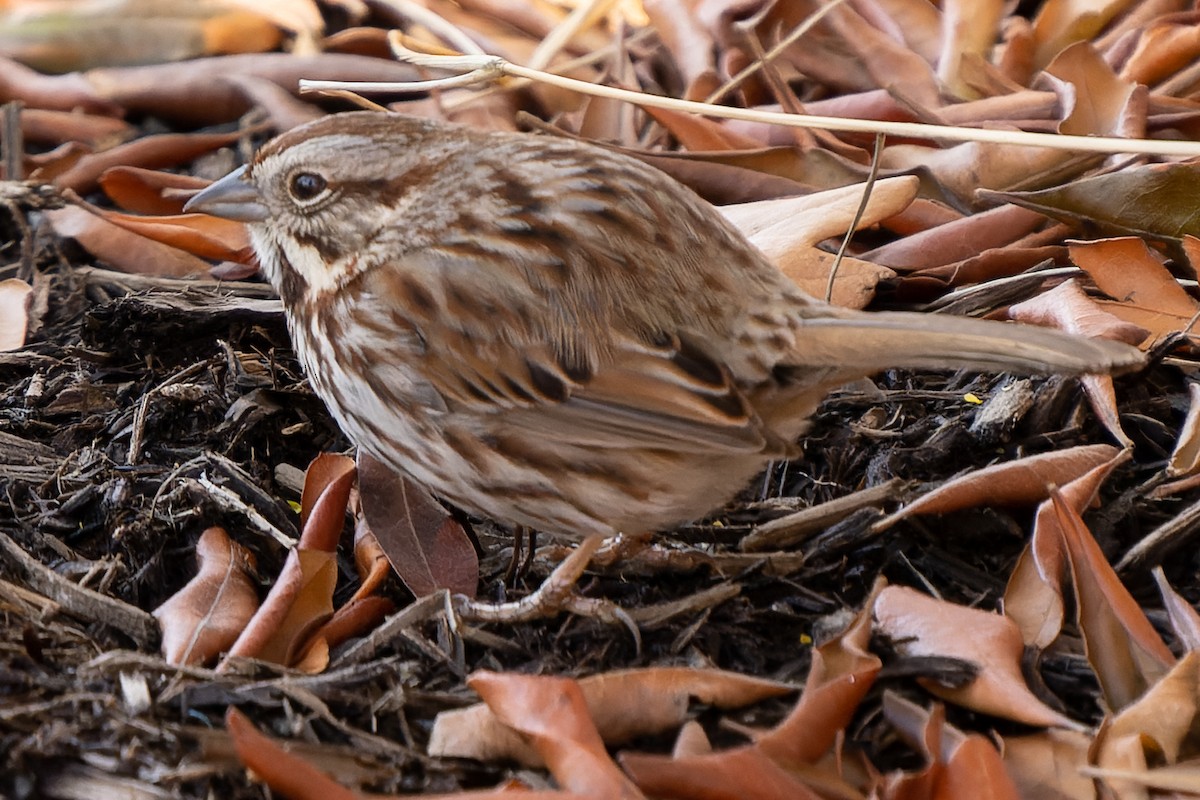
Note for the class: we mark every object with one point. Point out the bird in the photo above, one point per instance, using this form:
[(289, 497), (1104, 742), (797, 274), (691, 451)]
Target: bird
[(556, 335)]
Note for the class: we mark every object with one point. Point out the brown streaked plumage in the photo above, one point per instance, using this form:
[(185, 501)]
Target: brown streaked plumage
[(554, 335)]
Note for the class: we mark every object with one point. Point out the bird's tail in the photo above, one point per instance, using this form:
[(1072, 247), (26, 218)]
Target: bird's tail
[(870, 342)]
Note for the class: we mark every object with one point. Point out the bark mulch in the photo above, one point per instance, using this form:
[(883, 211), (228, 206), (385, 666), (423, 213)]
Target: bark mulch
[(146, 410)]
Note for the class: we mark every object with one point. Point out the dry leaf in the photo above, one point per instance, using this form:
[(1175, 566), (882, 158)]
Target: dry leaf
[(14, 313), (1099, 103), (151, 152), (1155, 201), (1128, 271), (958, 765), (1048, 764), (1034, 596), (623, 705), (325, 471), (299, 601), (842, 672), (1063, 22), (370, 560), (1067, 308), (147, 191), (1185, 622), (285, 773), (969, 27), (1018, 482), (63, 37), (1155, 729), (957, 240), (1122, 646), (721, 776), (201, 235), (919, 625), (302, 597), (121, 248), (1185, 458), (552, 714), (787, 231), (206, 616), (55, 127), (427, 547)]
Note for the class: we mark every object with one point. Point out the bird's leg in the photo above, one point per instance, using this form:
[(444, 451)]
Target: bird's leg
[(516, 568), (555, 595)]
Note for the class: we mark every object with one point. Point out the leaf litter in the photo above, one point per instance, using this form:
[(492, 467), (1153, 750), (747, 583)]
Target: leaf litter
[(146, 419)]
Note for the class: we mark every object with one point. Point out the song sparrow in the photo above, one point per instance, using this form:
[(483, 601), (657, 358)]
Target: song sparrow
[(554, 335)]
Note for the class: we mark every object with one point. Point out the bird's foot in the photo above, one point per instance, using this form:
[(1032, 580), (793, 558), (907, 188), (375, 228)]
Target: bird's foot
[(556, 595)]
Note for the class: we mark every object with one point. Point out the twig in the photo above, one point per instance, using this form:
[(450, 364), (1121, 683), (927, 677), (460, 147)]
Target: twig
[(583, 17), (436, 24), (876, 157), (774, 53), (12, 143), (482, 69), (88, 605)]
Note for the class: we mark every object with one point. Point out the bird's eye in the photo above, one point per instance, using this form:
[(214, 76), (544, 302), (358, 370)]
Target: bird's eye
[(307, 185)]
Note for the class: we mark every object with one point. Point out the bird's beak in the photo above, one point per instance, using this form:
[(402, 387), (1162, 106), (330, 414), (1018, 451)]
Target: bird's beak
[(232, 197)]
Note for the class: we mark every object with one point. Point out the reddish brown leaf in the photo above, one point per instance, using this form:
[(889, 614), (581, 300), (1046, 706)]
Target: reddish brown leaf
[(842, 672), (1022, 481), (148, 191), (207, 615), (284, 110), (1163, 48), (1099, 102), (1155, 729), (919, 625), (969, 28), (356, 617), (196, 92), (700, 133), (299, 601), (428, 549), (1049, 763), (995, 263), (372, 563), (684, 35), (787, 230), (70, 92), (153, 152), (718, 776), (1060, 23), (121, 248), (1128, 271), (724, 178), (959, 765), (55, 127), (553, 715), (302, 597), (294, 778), (325, 471), (1034, 597), (199, 234), (45, 167), (1185, 621), (284, 773), (1122, 646), (957, 240), (1067, 308), (622, 705)]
